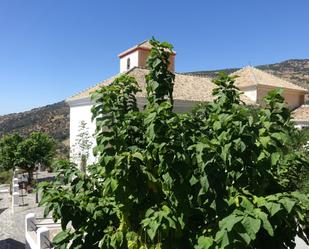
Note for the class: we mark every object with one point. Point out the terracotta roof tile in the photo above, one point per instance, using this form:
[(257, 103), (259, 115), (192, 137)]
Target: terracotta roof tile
[(301, 113), (250, 76), (186, 87)]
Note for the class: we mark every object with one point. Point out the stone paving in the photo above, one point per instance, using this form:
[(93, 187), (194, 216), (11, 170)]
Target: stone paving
[(12, 224)]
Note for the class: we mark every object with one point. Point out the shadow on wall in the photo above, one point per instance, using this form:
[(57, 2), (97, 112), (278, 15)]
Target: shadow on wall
[(11, 244), (1, 211)]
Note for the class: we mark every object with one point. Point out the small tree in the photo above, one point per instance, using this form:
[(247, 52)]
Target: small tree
[(36, 149), (8, 150), (81, 148)]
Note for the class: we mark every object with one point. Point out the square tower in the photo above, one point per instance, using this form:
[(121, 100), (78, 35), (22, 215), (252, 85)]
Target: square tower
[(137, 57)]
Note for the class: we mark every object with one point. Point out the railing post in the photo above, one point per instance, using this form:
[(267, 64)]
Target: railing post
[(30, 221), (39, 192), (15, 201), (15, 193), (15, 188), (43, 238), (15, 181)]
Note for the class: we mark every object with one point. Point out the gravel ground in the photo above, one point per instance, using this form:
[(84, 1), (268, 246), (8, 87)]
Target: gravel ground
[(12, 224)]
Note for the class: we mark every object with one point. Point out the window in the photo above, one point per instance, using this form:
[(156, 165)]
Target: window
[(128, 63)]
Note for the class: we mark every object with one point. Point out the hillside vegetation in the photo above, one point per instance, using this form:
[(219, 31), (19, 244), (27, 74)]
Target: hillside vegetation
[(51, 119)]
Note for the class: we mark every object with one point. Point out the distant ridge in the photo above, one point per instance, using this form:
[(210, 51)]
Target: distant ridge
[(295, 70)]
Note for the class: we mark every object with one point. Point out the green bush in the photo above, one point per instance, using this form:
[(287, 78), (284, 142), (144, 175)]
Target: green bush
[(223, 177), (6, 177), (26, 153)]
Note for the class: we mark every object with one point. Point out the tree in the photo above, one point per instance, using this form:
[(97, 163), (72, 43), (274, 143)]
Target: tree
[(223, 177), (81, 148), (8, 149), (36, 149)]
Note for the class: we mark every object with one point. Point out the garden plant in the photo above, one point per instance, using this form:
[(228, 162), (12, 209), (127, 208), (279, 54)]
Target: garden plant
[(223, 176)]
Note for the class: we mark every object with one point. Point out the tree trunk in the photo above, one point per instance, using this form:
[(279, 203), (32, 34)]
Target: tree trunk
[(30, 176), (83, 163)]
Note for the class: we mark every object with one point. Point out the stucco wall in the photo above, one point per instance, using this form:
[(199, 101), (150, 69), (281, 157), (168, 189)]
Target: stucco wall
[(293, 98), (251, 94), (143, 55), (134, 59), (78, 114)]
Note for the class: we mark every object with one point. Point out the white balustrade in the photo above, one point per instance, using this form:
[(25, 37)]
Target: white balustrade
[(36, 238)]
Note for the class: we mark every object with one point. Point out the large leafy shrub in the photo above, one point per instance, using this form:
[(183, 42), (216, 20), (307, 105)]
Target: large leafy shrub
[(222, 177)]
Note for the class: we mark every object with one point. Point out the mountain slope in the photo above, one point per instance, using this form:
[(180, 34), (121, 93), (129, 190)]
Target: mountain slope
[(295, 71), (52, 119)]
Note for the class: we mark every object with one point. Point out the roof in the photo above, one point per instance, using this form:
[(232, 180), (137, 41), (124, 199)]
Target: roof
[(301, 114), (145, 45), (186, 87), (251, 76)]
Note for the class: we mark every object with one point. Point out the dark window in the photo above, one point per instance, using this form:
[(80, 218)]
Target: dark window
[(128, 63)]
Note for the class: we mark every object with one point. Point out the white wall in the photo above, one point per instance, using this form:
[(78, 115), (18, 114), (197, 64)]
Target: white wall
[(81, 111), (133, 61), (77, 114), (251, 94)]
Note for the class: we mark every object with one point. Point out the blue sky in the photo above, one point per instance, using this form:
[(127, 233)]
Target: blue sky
[(51, 49)]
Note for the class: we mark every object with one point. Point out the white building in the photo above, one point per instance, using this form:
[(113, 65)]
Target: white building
[(188, 90)]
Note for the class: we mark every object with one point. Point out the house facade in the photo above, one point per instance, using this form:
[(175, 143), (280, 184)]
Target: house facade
[(188, 90)]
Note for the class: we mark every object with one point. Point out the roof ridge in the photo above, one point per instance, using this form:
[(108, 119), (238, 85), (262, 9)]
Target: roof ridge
[(141, 43), (254, 77), (193, 76), (277, 77)]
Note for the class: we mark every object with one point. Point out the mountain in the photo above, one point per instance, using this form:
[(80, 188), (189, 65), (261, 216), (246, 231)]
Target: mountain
[(54, 119), (51, 119), (295, 71)]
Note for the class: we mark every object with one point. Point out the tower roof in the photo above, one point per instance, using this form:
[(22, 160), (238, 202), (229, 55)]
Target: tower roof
[(145, 45)]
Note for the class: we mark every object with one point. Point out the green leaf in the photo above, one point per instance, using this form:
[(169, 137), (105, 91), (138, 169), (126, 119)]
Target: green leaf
[(152, 231), (222, 238), (138, 155), (193, 180), (288, 204), (265, 140), (204, 184), (114, 184), (245, 237), (62, 237), (217, 125), (252, 226), (273, 208), (204, 243), (265, 222), (229, 222)]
